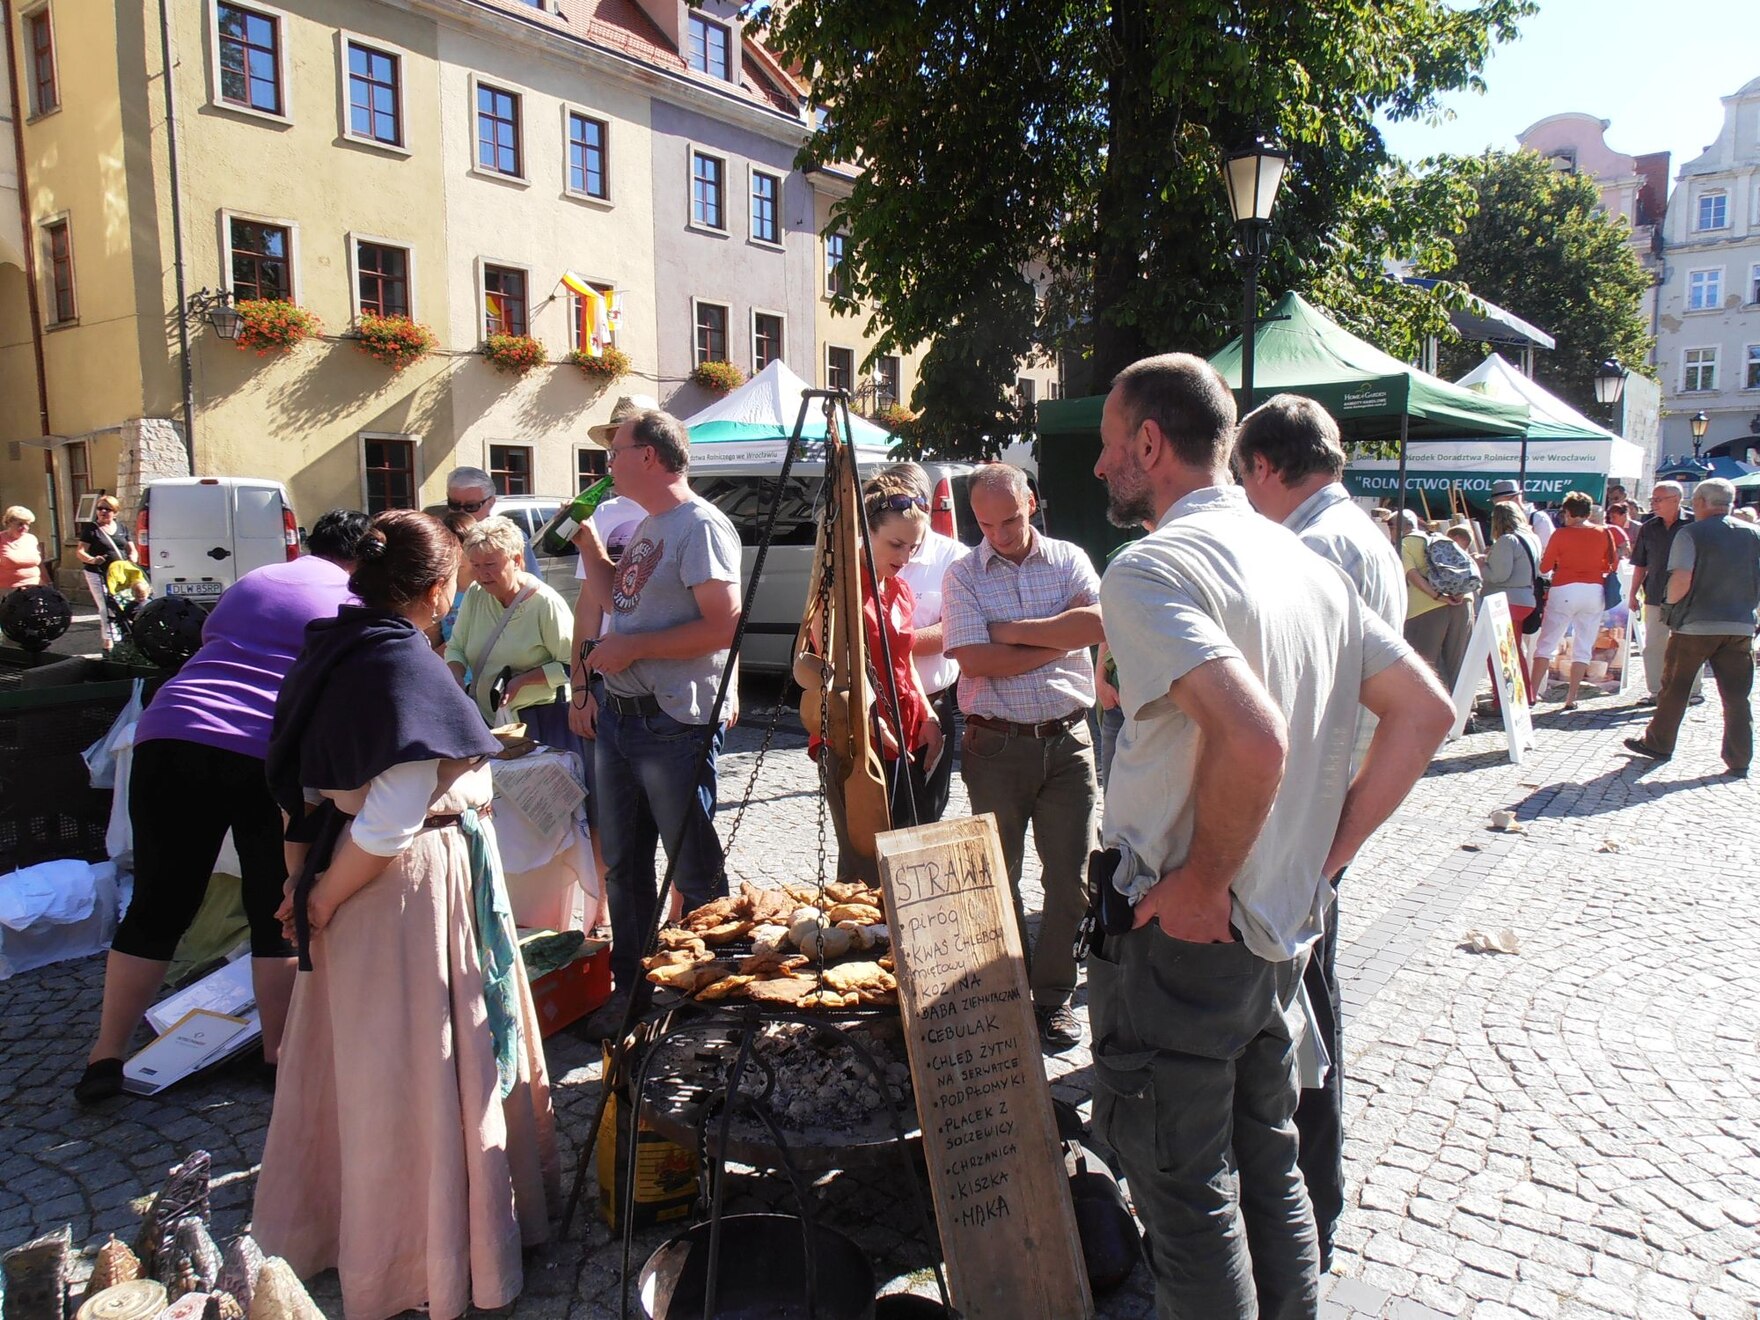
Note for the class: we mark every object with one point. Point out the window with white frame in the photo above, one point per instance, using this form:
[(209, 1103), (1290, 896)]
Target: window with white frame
[(590, 318), (587, 175), (388, 471), (1712, 212), (767, 331), (375, 95), (511, 467), (1751, 379), (1026, 389), (1698, 369), (504, 300), (58, 239), (711, 332), (248, 47), (261, 258), (766, 203), (840, 368), (885, 382), (591, 463), (1705, 289), (1754, 283), (381, 279), (45, 86), (498, 136), (836, 278), (710, 47), (708, 190)]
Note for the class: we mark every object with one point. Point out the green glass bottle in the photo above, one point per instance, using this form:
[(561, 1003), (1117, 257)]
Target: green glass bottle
[(557, 538)]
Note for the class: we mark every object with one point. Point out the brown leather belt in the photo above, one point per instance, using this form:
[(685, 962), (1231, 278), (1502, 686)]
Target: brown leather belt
[(1045, 729), (453, 817)]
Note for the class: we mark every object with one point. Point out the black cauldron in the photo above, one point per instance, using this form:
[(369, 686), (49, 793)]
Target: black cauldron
[(763, 1273)]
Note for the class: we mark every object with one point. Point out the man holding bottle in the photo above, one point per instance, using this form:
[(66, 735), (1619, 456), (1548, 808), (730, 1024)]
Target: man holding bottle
[(671, 605)]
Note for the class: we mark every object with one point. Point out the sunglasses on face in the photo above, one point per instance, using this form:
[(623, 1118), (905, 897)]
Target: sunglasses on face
[(465, 506)]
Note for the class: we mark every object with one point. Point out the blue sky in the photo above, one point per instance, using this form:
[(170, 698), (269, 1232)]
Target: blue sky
[(1656, 68)]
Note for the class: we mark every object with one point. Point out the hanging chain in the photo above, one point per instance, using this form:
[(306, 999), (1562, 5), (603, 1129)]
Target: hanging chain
[(757, 768), (826, 670)]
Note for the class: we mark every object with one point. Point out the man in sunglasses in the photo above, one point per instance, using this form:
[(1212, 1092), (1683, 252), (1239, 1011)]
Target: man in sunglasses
[(472, 490)]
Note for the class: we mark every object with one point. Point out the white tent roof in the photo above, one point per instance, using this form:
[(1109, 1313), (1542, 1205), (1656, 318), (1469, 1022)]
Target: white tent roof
[(1550, 415), (752, 424)]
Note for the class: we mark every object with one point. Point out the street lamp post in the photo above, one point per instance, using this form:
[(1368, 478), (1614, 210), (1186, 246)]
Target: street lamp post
[(1253, 175), (1700, 424)]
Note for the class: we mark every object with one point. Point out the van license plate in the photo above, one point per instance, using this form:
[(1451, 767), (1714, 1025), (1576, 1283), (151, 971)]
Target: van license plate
[(204, 589)]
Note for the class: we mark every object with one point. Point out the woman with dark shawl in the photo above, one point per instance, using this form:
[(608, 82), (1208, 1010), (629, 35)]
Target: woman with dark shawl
[(411, 1146)]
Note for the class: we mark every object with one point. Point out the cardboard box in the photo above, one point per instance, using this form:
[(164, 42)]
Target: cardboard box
[(573, 990)]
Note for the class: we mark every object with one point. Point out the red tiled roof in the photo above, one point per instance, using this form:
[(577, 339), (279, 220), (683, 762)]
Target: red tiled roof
[(624, 27)]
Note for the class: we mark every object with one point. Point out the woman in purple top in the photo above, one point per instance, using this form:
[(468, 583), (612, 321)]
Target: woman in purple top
[(198, 772)]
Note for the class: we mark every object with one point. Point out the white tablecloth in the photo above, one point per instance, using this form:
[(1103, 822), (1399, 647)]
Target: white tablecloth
[(551, 880)]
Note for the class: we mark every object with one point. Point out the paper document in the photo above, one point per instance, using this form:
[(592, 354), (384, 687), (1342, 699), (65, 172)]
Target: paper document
[(195, 1041), (541, 789), (227, 990)]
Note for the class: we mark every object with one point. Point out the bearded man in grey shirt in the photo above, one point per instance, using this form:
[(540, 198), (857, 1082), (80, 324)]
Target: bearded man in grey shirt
[(1242, 661), (1289, 460)]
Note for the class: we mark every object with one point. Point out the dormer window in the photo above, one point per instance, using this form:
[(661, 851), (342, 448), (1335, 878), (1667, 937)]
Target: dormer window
[(710, 47), (1713, 211)]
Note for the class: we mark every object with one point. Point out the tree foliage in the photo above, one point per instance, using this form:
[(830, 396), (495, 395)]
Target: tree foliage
[(1083, 139), (1538, 244)]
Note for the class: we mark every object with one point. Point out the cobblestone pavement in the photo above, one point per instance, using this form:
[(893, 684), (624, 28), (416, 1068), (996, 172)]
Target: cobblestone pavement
[(1570, 1131)]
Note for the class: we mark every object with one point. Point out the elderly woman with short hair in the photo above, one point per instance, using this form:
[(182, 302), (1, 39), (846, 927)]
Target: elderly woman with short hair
[(511, 622), (21, 555)]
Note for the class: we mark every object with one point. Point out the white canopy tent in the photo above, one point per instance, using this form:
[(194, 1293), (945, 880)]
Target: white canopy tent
[(752, 425)]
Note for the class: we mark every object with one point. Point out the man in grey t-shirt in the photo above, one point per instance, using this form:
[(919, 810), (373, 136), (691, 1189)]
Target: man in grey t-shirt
[(1242, 659), (1713, 594), (671, 603)]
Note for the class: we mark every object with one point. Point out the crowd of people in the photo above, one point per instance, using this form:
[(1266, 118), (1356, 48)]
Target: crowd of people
[(1268, 666)]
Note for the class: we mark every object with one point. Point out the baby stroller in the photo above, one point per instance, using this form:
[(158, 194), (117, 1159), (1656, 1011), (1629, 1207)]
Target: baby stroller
[(126, 589)]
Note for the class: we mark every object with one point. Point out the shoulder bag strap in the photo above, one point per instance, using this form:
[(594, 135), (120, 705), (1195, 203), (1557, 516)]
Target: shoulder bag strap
[(107, 541), (1533, 560), (478, 669)]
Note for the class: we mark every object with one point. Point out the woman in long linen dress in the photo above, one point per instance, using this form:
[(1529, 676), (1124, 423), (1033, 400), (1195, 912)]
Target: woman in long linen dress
[(411, 1146)]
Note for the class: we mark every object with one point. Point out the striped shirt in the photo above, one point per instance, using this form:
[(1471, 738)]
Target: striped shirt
[(985, 588)]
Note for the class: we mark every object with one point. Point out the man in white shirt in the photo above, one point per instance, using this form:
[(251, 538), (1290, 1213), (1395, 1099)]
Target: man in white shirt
[(938, 670), (1289, 459), (1242, 658), (1022, 610), (1509, 492)]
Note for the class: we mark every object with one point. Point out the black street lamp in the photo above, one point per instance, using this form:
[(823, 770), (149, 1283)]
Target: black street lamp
[(1700, 424), (1610, 382), (1252, 175), (216, 306)]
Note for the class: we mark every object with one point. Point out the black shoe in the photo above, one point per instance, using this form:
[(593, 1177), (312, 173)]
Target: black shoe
[(1059, 1028), (1645, 701), (100, 1081), (1736, 772), (1643, 748)]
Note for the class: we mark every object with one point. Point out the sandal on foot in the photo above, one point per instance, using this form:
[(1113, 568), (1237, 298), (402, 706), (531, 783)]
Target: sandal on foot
[(100, 1081)]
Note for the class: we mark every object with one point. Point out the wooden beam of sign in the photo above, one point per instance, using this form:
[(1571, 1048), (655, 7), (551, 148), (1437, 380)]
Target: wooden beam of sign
[(1002, 1202)]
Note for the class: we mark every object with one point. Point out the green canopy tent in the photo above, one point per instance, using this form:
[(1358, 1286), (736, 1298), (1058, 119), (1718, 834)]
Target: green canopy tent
[(1373, 395)]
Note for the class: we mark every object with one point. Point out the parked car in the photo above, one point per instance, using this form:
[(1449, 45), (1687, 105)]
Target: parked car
[(743, 493), (199, 535), (529, 514)]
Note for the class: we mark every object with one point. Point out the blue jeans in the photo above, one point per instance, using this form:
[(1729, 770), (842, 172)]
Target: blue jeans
[(1111, 725), (650, 792)]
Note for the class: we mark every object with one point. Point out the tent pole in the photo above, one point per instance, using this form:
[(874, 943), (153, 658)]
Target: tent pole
[(1522, 475), (1404, 422)]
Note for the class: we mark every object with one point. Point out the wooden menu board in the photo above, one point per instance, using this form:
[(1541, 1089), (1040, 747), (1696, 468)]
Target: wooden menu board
[(1002, 1202)]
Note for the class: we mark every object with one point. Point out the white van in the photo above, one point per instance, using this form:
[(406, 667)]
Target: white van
[(199, 535)]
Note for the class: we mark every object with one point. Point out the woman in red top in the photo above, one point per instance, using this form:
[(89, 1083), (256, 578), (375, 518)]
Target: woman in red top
[(1579, 557), (898, 522), (21, 557)]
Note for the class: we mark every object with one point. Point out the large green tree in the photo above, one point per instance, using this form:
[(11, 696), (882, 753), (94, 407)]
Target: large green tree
[(1538, 244), (1083, 138)]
